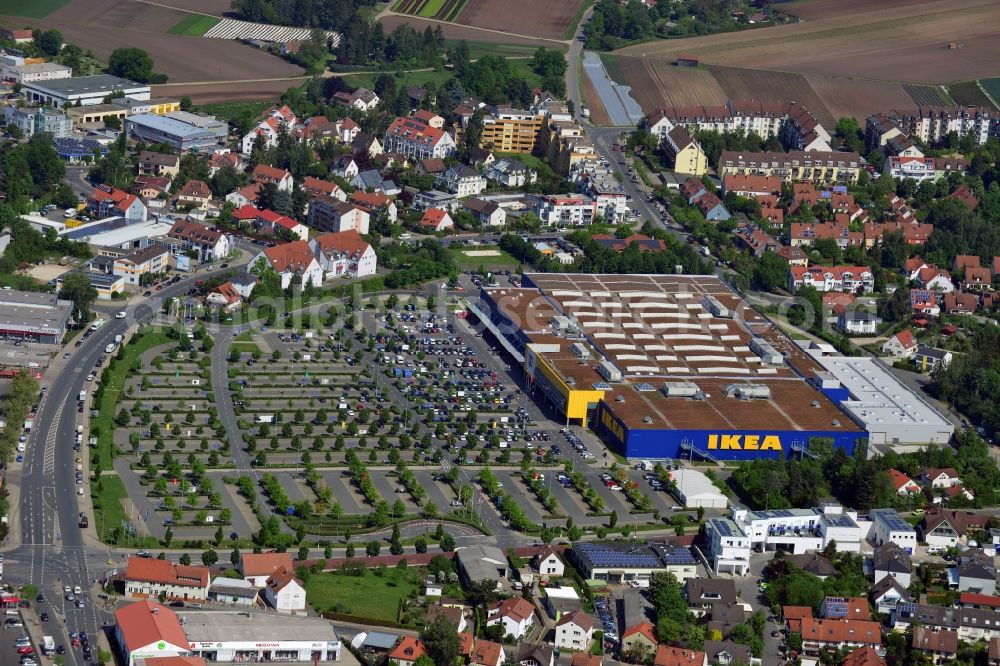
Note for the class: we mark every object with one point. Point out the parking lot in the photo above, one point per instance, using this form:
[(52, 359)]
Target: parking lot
[(393, 414)]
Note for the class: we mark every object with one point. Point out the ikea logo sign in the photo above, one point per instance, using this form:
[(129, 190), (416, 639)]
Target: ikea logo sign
[(613, 426), (744, 442)]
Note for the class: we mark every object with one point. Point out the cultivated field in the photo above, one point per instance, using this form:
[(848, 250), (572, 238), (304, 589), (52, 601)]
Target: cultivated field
[(181, 58), (233, 29), (992, 88), (226, 92), (454, 31), (657, 83), (929, 95), (30, 8), (524, 17), (442, 10), (898, 41), (598, 114), (968, 93), (213, 7), (858, 98), (194, 25), (813, 10)]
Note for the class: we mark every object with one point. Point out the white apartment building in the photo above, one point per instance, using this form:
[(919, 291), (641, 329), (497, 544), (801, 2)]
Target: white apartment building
[(570, 210), (888, 526), (728, 547), (801, 530), (42, 71)]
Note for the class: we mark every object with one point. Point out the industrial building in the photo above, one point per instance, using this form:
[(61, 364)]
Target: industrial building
[(181, 130), (665, 366), (694, 490), (34, 316), (877, 401), (621, 563), (802, 530), (86, 90)]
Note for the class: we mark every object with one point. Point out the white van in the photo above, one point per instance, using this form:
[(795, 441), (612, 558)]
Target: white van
[(110, 348), (83, 396), (69, 212)]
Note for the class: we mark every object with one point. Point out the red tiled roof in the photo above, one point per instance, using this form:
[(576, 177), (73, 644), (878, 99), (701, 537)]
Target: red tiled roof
[(667, 655), (227, 291), (413, 129), (899, 479), (246, 212), (196, 189), (516, 608), (974, 599), (295, 256), (465, 642), (268, 173), (319, 185), (164, 572), (486, 653), (195, 232), (265, 564), (841, 631), (577, 617), (146, 622), (345, 242), (433, 217), (584, 659), (864, 656), (408, 649), (644, 628)]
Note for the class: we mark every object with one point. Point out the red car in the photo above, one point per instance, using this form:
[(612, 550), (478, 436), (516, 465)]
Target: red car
[(75, 642), (27, 649)]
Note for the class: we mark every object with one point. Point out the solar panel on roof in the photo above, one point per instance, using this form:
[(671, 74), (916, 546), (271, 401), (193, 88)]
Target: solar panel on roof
[(601, 386), (644, 387)]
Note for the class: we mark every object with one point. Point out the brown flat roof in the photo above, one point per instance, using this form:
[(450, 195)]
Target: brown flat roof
[(657, 329)]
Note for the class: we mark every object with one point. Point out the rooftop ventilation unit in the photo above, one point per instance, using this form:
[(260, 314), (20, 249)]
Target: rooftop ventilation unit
[(682, 390), (748, 392), (580, 350), (716, 307), (767, 353), (608, 370), (559, 322), (647, 419)]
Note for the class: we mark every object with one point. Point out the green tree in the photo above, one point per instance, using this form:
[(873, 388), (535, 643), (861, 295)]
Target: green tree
[(131, 63), (76, 287), (49, 42), (209, 557), (441, 641), (771, 272)]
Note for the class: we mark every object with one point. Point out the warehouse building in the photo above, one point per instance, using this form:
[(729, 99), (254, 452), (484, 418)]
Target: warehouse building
[(86, 90), (181, 130), (33, 316), (694, 490), (665, 366), (877, 401), (622, 563)]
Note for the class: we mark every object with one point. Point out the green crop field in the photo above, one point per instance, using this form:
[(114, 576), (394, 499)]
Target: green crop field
[(30, 8), (442, 10), (194, 25), (992, 88)]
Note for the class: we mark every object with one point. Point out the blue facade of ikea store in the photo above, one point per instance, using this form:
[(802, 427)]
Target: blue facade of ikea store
[(659, 444)]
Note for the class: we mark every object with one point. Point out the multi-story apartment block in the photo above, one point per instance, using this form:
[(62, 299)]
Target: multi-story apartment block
[(728, 546), (794, 124), (818, 167), (33, 121), (570, 210), (420, 136), (849, 279), (923, 168), (933, 124), (687, 155)]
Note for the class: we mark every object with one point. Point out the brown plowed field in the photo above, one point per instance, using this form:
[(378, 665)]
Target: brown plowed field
[(741, 83), (813, 10), (897, 41), (598, 114), (453, 31), (86, 23), (213, 7), (857, 98), (657, 83), (538, 18), (226, 92)]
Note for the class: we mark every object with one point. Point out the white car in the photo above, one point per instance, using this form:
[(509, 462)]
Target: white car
[(120, 314), (90, 377)]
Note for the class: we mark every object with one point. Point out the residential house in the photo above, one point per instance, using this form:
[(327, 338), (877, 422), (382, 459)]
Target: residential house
[(847, 608), (224, 296), (150, 187), (285, 592), (489, 213), (106, 201), (935, 279), (257, 568), (851, 279), (431, 166), (366, 145), (977, 574), (858, 322), (977, 279), (703, 593), (487, 653), (264, 174), (972, 624), (329, 214), (684, 152), (921, 168), (814, 563), (268, 221), (319, 187), (946, 529), (292, 260), (372, 181), (667, 655), (375, 203), (419, 137), (407, 651), (864, 656), (960, 302), (924, 303), (639, 640), (221, 160), (535, 654), (821, 635), (752, 187), (903, 484), (795, 256), (993, 652), (194, 193), (348, 130), (585, 659), (965, 194), (728, 546), (361, 99), (944, 477), (344, 254), (146, 577), (515, 615), (345, 167), (435, 219), (927, 359), (145, 629), (901, 344), (724, 653), (940, 644), (210, 244), (510, 172), (548, 563), (461, 180), (712, 208), (574, 631), (152, 259), (244, 196), (158, 164), (454, 615), (887, 593)]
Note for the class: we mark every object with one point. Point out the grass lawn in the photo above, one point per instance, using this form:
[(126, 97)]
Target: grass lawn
[(30, 8), (502, 260), (536, 164), (479, 49), (194, 25), (368, 596), (108, 501), (245, 347), (408, 79)]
